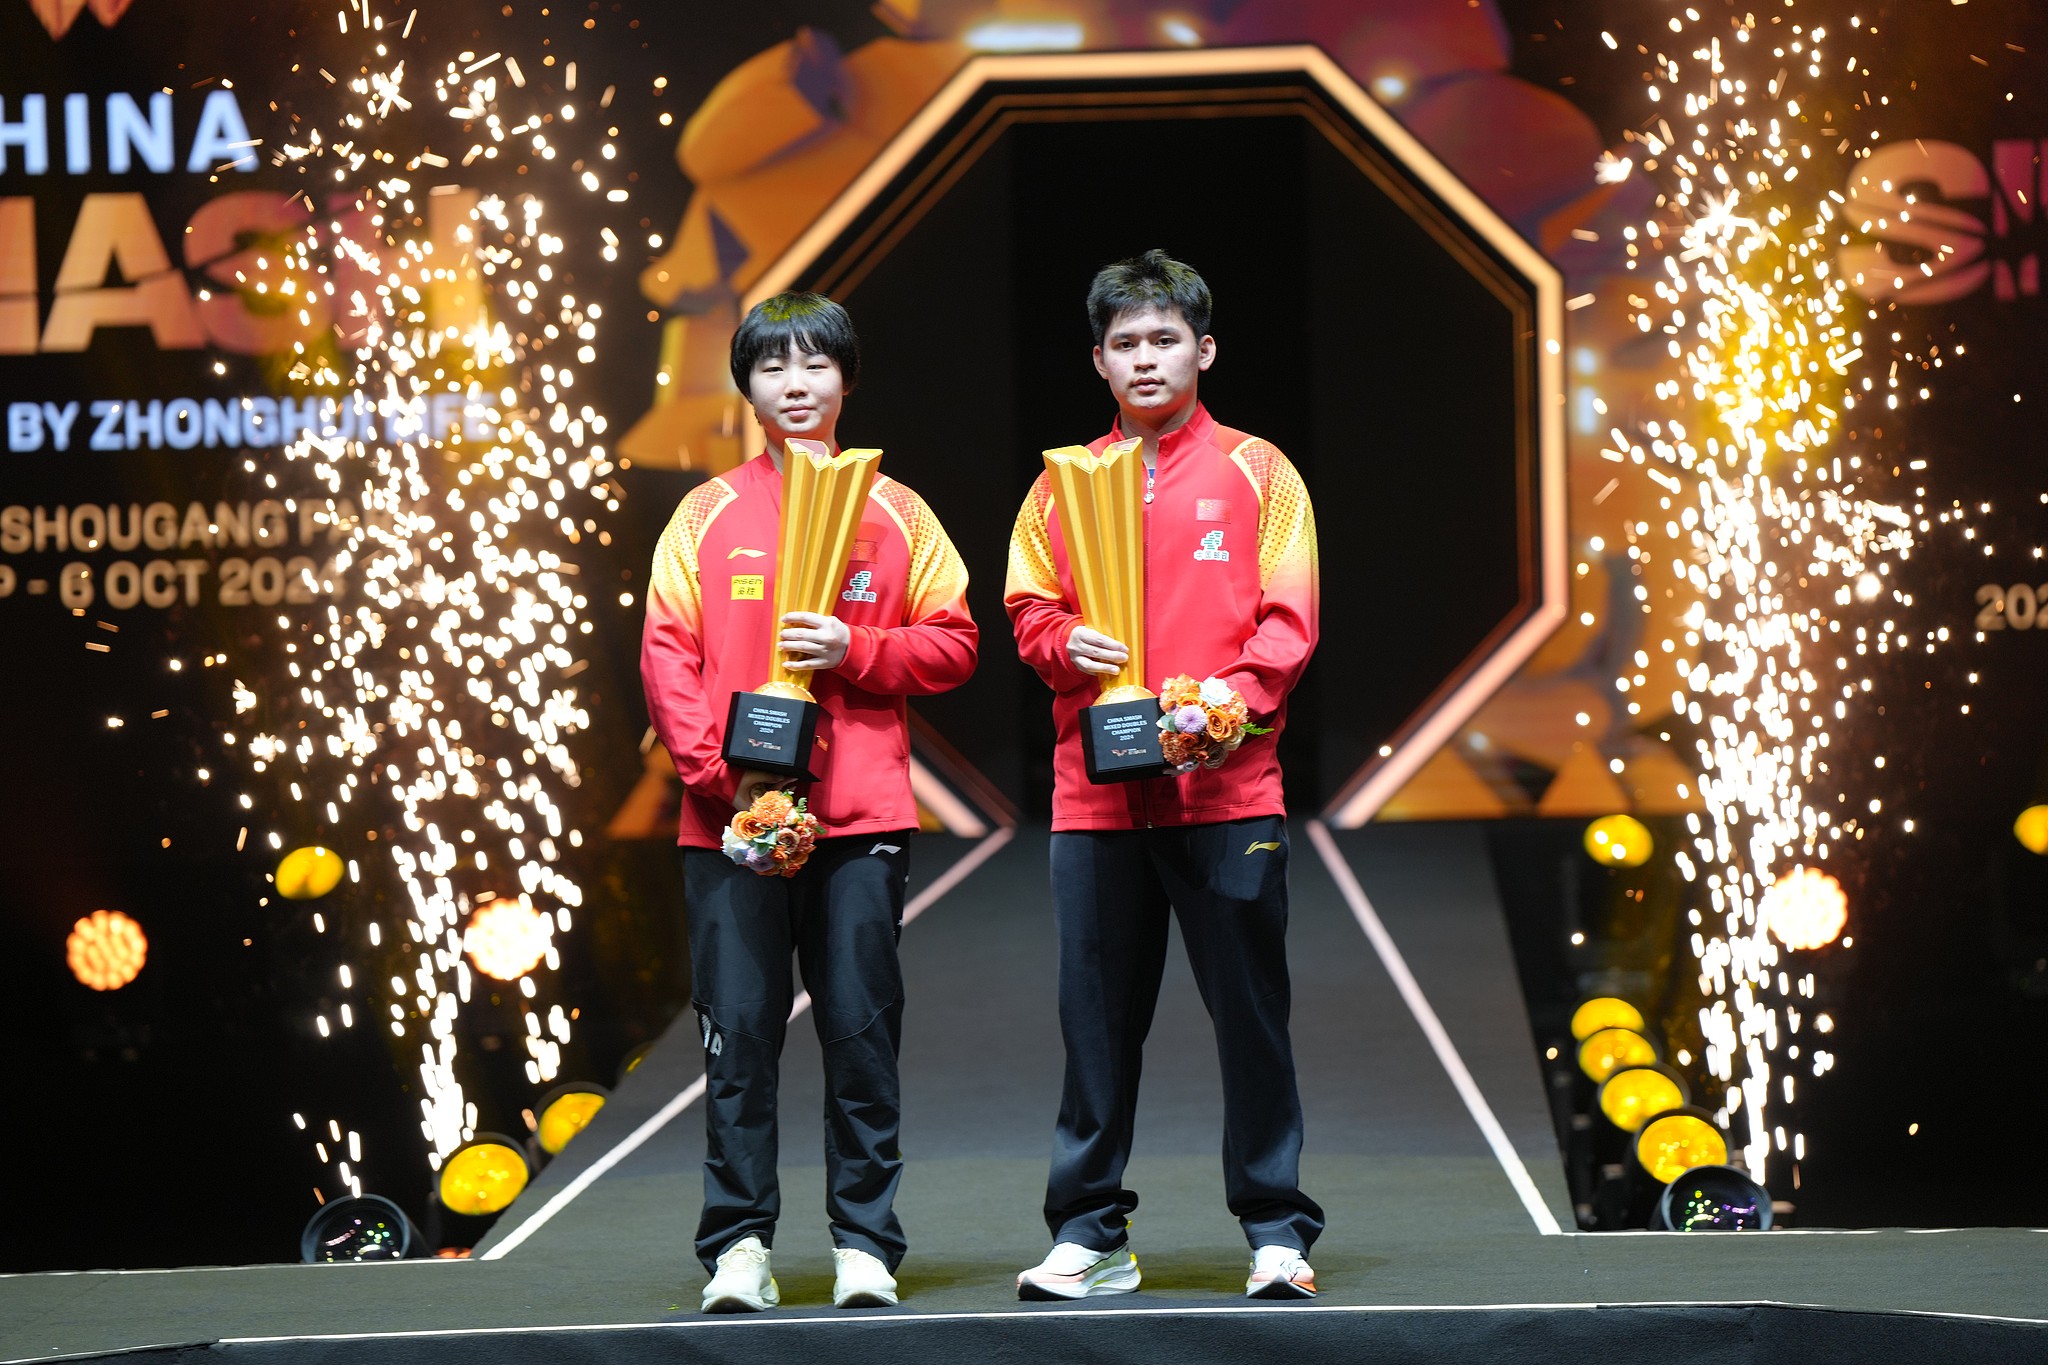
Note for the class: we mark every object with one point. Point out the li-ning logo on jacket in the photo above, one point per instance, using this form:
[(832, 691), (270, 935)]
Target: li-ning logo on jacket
[(1212, 547), (857, 587)]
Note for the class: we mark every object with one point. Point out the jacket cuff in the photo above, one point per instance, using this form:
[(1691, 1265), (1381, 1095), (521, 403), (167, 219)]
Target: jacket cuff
[(862, 648)]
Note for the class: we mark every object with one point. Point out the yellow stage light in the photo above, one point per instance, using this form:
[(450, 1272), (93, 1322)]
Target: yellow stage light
[(631, 1061), (1611, 1049), (483, 1176), (2031, 829), (1632, 1094), (507, 939), (565, 1112), (1619, 841), (307, 874), (1805, 908), (106, 950), (1604, 1011), (1673, 1143)]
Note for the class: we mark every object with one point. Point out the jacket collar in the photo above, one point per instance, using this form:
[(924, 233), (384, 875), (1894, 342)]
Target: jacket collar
[(1196, 431)]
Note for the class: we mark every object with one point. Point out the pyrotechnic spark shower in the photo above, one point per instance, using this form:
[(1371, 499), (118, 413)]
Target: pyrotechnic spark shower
[(1766, 530), (455, 470)]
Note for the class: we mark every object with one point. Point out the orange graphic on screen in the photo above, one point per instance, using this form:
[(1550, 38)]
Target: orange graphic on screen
[(59, 15)]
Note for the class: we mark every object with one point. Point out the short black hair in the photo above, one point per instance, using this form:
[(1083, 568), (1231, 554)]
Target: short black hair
[(812, 321), (1153, 280)]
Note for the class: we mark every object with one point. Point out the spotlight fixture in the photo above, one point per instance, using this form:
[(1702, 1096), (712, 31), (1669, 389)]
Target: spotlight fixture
[(1805, 908), (1713, 1199), (1611, 1049), (484, 1175), (2031, 828), (565, 1111), (1677, 1141), (368, 1227), (630, 1063), (1629, 1096), (507, 938), (1619, 841), (106, 950), (307, 874), (1604, 1011)]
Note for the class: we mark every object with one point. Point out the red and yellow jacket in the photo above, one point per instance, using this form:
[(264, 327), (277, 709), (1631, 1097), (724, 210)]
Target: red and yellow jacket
[(709, 630), (1230, 592)]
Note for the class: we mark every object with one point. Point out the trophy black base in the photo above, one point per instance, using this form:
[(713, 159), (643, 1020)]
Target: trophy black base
[(1120, 741), (771, 734)]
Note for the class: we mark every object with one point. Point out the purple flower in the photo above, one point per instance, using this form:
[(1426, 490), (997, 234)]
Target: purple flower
[(760, 861), (1191, 720)]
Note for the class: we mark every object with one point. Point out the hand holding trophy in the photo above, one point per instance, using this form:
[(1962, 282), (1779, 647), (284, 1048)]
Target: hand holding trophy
[(1101, 504), (772, 728)]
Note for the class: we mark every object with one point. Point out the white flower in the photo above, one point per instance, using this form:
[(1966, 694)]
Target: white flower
[(735, 847), (1216, 692)]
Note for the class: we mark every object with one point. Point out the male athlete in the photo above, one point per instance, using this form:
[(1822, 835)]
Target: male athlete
[(901, 628), (1230, 573)]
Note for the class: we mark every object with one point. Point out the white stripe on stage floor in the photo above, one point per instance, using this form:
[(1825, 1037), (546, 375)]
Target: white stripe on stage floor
[(1433, 1029)]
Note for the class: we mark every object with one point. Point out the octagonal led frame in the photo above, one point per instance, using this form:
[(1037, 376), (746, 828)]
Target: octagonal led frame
[(1132, 84)]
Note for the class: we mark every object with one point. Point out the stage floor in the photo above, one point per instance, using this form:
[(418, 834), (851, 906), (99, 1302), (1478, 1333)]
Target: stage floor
[(1429, 1145)]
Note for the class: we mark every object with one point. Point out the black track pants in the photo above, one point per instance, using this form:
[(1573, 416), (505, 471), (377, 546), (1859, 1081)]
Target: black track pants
[(1112, 893), (841, 916)]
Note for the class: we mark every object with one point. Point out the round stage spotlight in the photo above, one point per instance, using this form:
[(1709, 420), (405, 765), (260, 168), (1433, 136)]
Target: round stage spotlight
[(1619, 841), (307, 874), (507, 938), (1678, 1140), (565, 1111), (484, 1175), (1604, 1011), (368, 1227), (2031, 829), (1713, 1199), (630, 1063), (1631, 1095), (1611, 1049), (1805, 908), (106, 950)]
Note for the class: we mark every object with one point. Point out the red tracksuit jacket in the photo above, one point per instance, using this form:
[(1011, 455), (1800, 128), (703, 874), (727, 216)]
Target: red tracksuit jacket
[(709, 608), (1230, 592)]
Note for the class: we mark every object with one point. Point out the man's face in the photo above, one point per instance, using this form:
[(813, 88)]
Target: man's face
[(1152, 359), (796, 393)]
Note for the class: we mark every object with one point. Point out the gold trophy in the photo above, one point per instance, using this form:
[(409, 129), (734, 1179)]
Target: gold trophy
[(1101, 504), (823, 498)]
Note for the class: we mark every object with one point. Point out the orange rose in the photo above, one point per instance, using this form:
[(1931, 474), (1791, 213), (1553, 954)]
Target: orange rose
[(748, 825), (1222, 727), (1179, 690)]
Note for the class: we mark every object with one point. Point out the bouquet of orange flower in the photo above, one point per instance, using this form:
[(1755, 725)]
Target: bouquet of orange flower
[(773, 837), (1202, 723)]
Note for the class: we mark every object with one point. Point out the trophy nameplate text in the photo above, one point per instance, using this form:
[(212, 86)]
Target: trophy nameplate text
[(824, 497), (1101, 503)]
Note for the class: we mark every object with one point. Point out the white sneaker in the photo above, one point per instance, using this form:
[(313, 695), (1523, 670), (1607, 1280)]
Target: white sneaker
[(862, 1281), (1280, 1273), (1073, 1271), (743, 1283)]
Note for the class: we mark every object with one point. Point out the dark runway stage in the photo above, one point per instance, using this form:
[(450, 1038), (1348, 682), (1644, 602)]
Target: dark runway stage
[(1429, 1145)]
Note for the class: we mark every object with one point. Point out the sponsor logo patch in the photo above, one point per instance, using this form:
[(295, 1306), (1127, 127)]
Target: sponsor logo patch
[(857, 587), (749, 587), (1212, 547)]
